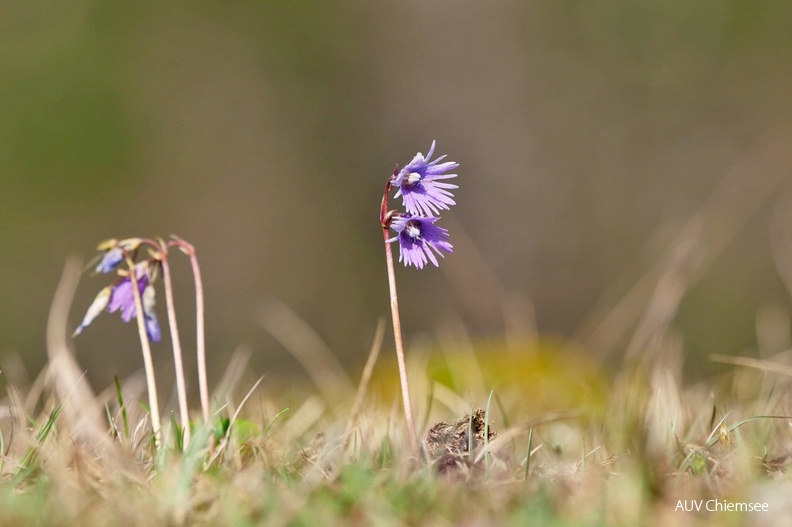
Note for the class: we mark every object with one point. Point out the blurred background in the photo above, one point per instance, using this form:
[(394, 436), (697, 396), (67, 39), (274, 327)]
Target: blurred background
[(622, 163)]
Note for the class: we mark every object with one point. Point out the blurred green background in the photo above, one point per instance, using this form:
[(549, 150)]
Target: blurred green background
[(588, 133)]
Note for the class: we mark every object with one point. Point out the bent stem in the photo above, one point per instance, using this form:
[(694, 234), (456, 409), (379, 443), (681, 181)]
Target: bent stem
[(397, 333), (147, 361), (177, 351), (203, 386)]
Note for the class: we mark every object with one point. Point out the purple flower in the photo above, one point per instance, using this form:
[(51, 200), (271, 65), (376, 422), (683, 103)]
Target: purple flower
[(110, 261), (150, 317), (419, 238), (420, 186), (123, 298), (115, 253)]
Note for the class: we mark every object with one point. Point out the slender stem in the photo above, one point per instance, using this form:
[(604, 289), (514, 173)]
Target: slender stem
[(177, 351), (203, 385), (397, 333), (147, 361), (397, 336), (201, 342)]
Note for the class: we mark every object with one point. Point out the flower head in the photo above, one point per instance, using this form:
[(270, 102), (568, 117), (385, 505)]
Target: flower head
[(115, 253), (99, 304), (150, 316), (120, 296), (420, 186), (123, 298), (111, 259), (419, 238)]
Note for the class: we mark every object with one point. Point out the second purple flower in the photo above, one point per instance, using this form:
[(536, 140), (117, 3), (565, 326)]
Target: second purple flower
[(419, 239)]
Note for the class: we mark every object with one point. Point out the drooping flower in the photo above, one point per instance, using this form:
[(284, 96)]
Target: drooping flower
[(419, 239), (123, 298), (110, 261), (99, 304), (150, 316), (421, 187), (115, 253), (120, 296)]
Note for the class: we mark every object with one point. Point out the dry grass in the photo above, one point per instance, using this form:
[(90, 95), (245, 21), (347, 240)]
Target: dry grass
[(573, 447)]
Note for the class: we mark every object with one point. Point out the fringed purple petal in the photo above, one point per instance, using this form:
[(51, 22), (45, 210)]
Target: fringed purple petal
[(419, 240), (418, 186), (122, 297)]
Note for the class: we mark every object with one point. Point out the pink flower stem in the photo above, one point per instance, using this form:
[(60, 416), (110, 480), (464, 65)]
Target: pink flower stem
[(203, 386), (177, 350), (397, 333)]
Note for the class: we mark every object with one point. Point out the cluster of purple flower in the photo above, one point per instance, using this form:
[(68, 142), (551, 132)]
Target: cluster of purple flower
[(120, 294), (424, 194)]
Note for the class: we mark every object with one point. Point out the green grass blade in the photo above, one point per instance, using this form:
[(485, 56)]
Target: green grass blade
[(27, 465), (716, 437), (274, 419), (528, 455), (121, 406), (178, 435)]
